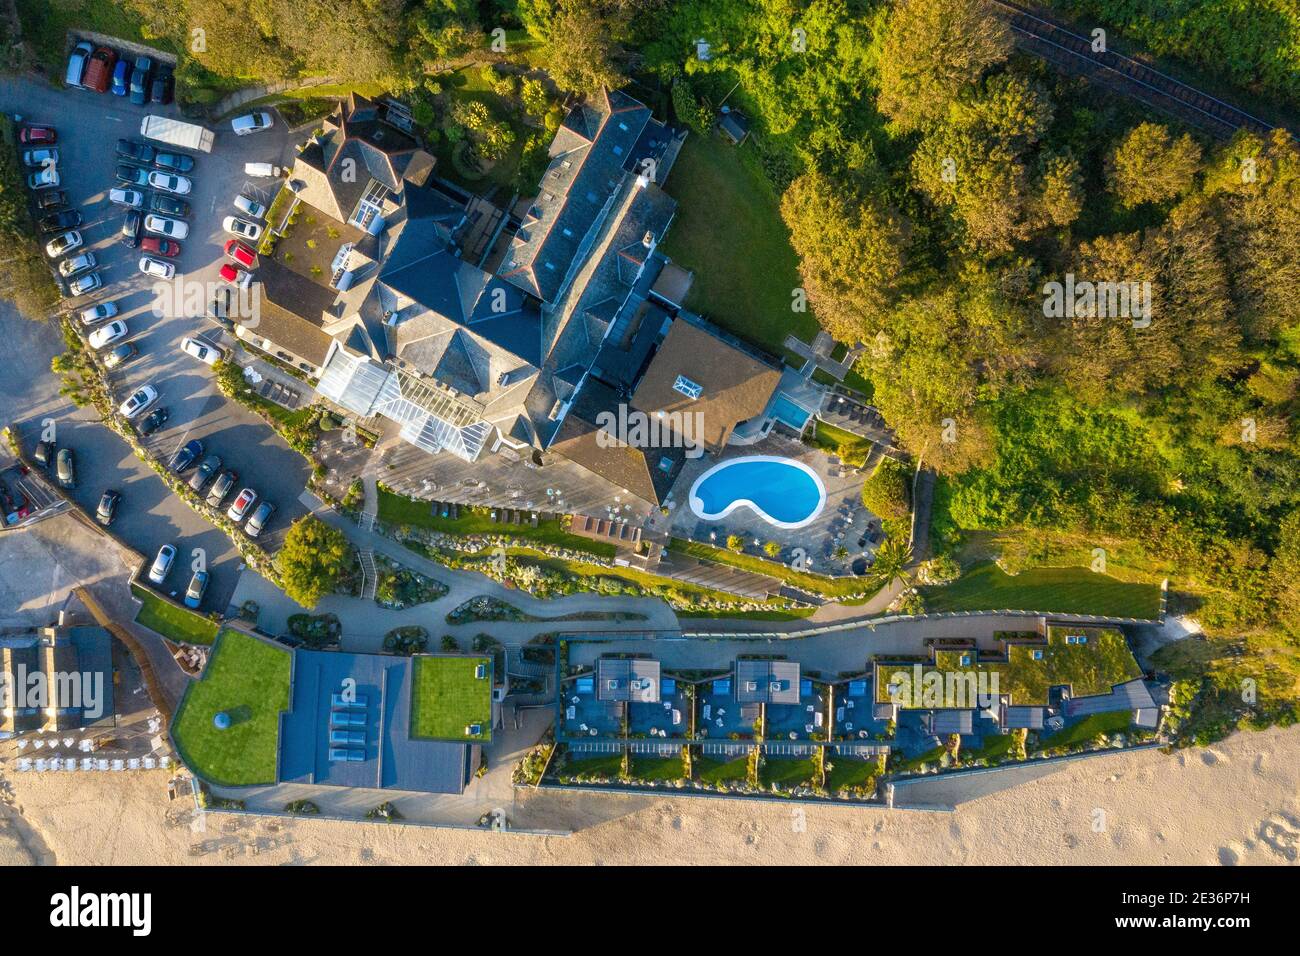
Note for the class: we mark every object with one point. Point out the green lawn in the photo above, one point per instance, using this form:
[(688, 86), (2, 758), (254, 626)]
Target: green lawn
[(603, 765), (448, 698), (1087, 669), (1115, 722), (986, 587), (711, 770), (395, 509), (851, 773), (645, 767), (173, 623), (729, 231), (249, 680), (812, 583), (993, 748), (786, 773)]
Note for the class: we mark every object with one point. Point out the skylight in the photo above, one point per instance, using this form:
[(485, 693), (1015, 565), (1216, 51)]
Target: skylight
[(691, 390)]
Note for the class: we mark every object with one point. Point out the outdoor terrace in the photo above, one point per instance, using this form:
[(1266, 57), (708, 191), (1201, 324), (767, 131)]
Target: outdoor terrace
[(805, 721), (720, 715)]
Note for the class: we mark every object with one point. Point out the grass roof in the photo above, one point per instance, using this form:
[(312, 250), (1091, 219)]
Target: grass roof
[(449, 698)]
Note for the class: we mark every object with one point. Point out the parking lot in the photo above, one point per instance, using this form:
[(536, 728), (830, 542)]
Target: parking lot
[(89, 126)]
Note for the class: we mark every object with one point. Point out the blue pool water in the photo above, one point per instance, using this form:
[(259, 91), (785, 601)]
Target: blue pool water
[(789, 413), (781, 491)]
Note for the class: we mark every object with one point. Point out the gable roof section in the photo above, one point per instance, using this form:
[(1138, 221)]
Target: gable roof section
[(587, 160), (736, 385), (638, 469)]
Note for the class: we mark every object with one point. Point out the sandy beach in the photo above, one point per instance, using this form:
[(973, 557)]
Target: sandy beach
[(1235, 803)]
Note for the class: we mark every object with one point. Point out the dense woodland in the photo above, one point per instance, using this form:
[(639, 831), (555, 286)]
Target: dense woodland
[(932, 182)]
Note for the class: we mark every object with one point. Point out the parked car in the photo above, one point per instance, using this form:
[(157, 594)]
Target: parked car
[(130, 233), (253, 122), (65, 468), (107, 509), (242, 227), (259, 519), (154, 421), (250, 207), (122, 77), (168, 248), (57, 221), (126, 197), (205, 352), (140, 399), (77, 63), (161, 89), (165, 226), (107, 334), (176, 162), (136, 152), (156, 268), (75, 266), (219, 309), (140, 80), (186, 455), (99, 70), (241, 504), (62, 244), (44, 157), (236, 277), (98, 312), (46, 178), (262, 169), (53, 199), (132, 175), (169, 205), (44, 454), (241, 253), (207, 470), (169, 183), (194, 593), (162, 564), (121, 355), (85, 284), (38, 136), (221, 487)]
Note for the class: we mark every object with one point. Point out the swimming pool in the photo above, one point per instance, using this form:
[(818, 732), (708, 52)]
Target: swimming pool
[(789, 412), (783, 492)]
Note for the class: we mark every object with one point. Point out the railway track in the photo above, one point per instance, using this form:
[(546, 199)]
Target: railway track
[(1073, 52)]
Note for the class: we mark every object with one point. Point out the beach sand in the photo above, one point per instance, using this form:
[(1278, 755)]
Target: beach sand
[(1235, 803)]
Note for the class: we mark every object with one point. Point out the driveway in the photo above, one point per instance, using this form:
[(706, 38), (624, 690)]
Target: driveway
[(158, 318)]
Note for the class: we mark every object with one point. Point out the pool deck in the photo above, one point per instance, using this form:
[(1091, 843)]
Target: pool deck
[(842, 521)]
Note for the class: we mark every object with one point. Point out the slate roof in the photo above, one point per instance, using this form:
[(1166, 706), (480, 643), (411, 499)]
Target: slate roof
[(636, 469), (358, 147), (590, 154), (952, 722), (635, 680), (770, 682), (392, 758), (736, 385), (1132, 695), (292, 312)]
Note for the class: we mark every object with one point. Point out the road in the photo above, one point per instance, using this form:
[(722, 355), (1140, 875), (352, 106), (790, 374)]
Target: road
[(89, 126)]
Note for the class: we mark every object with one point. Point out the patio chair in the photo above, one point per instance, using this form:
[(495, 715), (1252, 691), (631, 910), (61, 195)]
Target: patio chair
[(807, 728)]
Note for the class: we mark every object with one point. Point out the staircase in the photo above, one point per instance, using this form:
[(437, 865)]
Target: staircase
[(369, 574)]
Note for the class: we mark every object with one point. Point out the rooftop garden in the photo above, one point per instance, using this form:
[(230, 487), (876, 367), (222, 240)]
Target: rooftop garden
[(986, 587), (449, 698), (172, 622), (248, 680), (1088, 668)]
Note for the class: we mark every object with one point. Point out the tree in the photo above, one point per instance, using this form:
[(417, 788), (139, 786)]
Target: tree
[(535, 98), (735, 543), (931, 49), (850, 251), (312, 560), (772, 549), (581, 46), (1149, 165), (885, 492), (892, 560)]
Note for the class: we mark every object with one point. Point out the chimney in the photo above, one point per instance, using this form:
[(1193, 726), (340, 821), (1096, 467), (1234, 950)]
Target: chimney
[(648, 240)]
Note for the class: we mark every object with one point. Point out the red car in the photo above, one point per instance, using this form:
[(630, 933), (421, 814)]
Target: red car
[(236, 277), (162, 247), (38, 136), (241, 253)]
